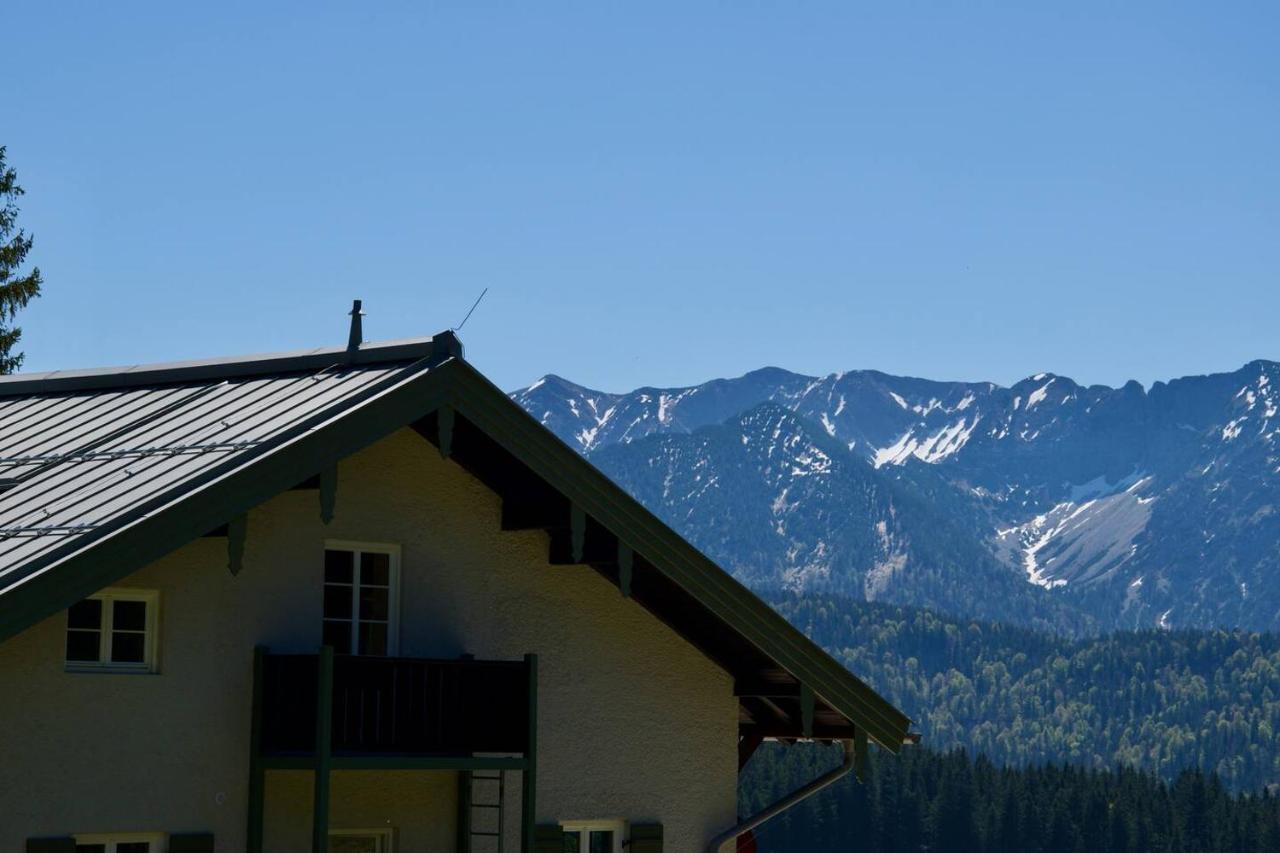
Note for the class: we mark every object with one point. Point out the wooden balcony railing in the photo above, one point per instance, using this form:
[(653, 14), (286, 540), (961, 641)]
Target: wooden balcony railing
[(395, 706)]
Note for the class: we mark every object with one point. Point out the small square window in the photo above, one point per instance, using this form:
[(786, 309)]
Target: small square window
[(123, 843), (128, 615), (114, 630), (85, 614), (338, 566), (375, 569), (361, 840), (593, 836)]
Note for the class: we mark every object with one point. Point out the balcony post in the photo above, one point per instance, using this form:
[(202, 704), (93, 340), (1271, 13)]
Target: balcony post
[(324, 749), (528, 784), (257, 775)]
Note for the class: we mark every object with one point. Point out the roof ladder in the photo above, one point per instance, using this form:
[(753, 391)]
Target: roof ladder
[(485, 796)]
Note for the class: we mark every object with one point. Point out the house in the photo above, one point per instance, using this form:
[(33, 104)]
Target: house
[(355, 599)]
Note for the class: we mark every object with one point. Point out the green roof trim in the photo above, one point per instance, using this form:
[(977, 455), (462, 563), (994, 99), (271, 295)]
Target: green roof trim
[(503, 420)]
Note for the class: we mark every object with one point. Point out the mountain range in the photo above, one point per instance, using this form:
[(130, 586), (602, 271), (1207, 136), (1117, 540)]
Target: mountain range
[(1046, 503)]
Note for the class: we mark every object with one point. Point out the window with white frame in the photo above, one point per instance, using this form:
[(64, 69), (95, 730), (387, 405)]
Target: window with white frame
[(361, 840), (593, 836), (114, 630), (361, 598), (139, 842)]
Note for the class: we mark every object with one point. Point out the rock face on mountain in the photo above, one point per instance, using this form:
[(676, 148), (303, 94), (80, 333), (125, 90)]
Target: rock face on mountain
[(1046, 501)]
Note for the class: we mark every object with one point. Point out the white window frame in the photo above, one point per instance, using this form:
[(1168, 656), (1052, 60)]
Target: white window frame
[(111, 839), (582, 827), (386, 836), (150, 642), (392, 550)]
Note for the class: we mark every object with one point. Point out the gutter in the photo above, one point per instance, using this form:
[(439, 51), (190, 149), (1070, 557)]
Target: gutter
[(851, 756)]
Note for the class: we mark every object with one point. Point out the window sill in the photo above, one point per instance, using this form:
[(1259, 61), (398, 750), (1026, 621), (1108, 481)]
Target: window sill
[(90, 669)]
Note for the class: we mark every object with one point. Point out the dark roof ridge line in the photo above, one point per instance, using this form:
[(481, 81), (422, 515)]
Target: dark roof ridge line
[(96, 379)]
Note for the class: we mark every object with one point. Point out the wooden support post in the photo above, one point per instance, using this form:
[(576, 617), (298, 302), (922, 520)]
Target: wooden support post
[(237, 531), (577, 531), (528, 784), (806, 710), (860, 755), (444, 431), (328, 492), (463, 841), (324, 747), (626, 557), (257, 773)]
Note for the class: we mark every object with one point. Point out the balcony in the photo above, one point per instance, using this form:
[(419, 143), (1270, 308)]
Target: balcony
[(327, 713), (391, 708)]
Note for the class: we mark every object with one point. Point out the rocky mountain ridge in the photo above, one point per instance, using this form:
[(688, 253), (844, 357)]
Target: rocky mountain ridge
[(1129, 506)]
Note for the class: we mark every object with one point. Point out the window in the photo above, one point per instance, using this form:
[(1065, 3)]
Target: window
[(123, 843), (113, 630), (361, 598), (593, 836), (360, 841)]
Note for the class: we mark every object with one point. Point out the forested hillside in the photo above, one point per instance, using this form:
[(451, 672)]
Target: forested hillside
[(950, 803), (1161, 701)]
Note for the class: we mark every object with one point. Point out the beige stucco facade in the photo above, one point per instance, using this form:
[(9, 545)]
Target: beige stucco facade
[(633, 722)]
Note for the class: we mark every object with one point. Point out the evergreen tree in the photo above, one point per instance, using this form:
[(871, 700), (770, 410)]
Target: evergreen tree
[(16, 288)]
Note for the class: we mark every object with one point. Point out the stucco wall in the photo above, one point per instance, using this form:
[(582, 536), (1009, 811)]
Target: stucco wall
[(420, 807), (633, 722)]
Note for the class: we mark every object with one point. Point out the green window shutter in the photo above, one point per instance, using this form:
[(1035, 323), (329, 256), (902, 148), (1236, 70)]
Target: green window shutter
[(191, 842), (548, 838), (51, 845), (646, 838)]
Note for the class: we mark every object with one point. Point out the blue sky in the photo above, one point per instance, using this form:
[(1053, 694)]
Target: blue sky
[(656, 194)]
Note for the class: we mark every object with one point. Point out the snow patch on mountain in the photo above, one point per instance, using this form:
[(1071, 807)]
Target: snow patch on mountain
[(1082, 540), (1038, 394), (891, 560), (932, 447)]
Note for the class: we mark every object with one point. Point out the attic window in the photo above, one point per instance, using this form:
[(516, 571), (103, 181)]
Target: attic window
[(114, 631), (361, 598)]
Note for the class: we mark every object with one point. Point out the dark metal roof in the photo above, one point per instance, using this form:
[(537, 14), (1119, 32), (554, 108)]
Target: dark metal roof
[(81, 450)]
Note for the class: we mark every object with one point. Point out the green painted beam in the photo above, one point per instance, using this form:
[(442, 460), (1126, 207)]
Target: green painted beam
[(328, 491), (324, 746), (626, 559), (257, 772), (397, 762), (577, 532), (411, 762), (462, 835), (237, 532), (444, 431), (529, 782)]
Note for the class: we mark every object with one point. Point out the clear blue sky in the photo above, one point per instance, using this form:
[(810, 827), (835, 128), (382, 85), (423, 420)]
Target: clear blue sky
[(658, 194)]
